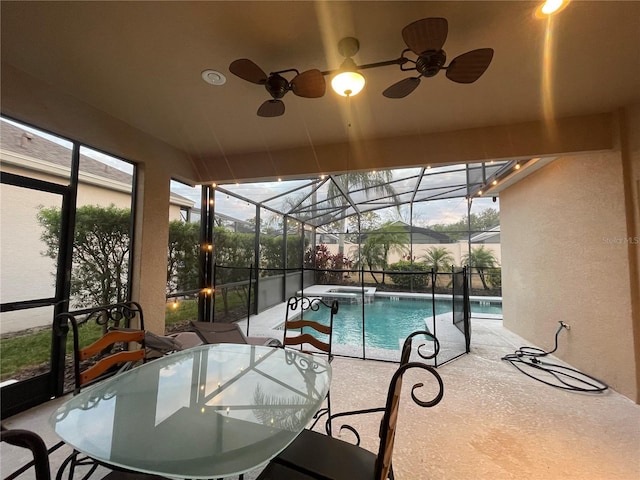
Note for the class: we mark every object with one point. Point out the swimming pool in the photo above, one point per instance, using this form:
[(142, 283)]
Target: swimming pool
[(388, 321)]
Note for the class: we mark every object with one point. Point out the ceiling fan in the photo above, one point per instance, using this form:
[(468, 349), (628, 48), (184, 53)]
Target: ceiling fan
[(309, 84), (425, 38)]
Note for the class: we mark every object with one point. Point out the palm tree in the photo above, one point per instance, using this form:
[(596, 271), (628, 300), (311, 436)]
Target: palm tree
[(438, 259), (371, 256), (392, 240), (372, 182), (480, 258), (381, 242)]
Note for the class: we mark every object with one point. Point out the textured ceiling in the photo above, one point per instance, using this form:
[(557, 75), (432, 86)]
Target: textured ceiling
[(141, 62)]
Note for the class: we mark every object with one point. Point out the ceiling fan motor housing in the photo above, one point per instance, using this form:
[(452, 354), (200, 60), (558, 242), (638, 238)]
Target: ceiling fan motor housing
[(429, 63), (277, 86), (348, 47)]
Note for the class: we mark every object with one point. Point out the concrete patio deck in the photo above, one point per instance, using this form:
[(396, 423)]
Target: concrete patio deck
[(493, 422)]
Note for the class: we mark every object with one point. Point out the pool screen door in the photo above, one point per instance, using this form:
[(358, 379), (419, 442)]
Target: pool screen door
[(27, 313), (459, 341)]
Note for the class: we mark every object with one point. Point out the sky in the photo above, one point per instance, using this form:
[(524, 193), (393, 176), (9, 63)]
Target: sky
[(425, 213)]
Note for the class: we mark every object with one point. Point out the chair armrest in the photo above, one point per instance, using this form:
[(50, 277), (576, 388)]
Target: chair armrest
[(347, 426)]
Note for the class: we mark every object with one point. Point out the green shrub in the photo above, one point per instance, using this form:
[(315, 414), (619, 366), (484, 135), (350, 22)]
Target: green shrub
[(408, 281), (494, 277)]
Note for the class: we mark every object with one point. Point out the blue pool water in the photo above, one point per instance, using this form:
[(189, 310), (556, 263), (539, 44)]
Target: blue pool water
[(387, 321)]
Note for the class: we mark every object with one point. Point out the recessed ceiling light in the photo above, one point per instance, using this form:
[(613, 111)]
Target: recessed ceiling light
[(213, 77)]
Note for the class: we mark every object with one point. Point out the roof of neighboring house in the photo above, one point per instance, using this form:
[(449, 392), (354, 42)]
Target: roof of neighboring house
[(241, 226), (27, 146), (427, 232), (25, 143), (488, 236)]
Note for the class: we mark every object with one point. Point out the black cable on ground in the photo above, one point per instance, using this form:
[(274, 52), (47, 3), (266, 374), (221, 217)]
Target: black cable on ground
[(566, 378)]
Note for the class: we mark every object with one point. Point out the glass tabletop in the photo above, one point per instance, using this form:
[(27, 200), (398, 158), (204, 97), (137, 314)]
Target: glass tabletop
[(207, 412)]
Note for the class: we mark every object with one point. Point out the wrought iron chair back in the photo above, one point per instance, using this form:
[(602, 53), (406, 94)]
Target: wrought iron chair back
[(300, 332), (408, 343), (390, 418), (32, 441), (303, 328), (405, 356), (122, 324), (313, 455), (105, 364)]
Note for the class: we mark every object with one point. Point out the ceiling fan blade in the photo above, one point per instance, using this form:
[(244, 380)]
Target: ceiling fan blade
[(402, 88), (309, 84), (271, 108), (468, 67), (247, 70), (426, 34)]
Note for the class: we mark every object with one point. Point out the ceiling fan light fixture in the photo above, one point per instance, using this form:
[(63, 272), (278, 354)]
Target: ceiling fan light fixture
[(348, 82), (550, 7)]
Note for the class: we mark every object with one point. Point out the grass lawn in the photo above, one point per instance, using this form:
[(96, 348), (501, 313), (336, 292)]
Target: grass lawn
[(34, 348), (19, 352)]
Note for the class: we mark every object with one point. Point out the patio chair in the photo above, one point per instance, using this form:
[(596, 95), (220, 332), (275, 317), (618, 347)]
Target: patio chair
[(33, 442), (216, 332), (201, 333), (314, 455), (310, 336), (107, 356), (122, 324), (404, 359)]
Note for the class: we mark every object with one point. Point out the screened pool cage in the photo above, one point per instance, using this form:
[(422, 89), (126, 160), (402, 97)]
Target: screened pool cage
[(367, 238)]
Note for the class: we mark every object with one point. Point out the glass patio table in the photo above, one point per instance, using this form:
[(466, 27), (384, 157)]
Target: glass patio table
[(207, 412)]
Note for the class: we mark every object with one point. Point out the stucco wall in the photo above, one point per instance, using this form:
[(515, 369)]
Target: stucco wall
[(24, 272), (630, 144), (150, 247), (457, 250), (565, 256)]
